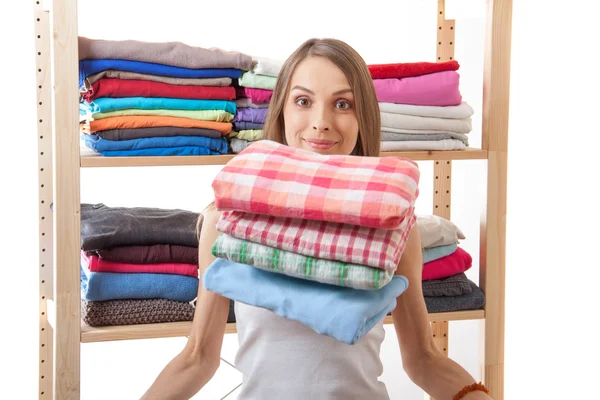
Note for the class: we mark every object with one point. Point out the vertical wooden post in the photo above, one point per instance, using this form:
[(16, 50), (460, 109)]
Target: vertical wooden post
[(496, 93), (45, 187), (442, 170), (67, 297)]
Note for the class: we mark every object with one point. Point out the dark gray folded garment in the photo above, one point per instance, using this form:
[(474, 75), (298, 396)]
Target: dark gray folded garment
[(157, 253), (103, 227), (469, 301), (156, 131), (454, 285)]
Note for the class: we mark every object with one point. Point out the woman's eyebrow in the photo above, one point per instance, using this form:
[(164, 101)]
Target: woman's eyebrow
[(346, 90), (342, 91), (303, 88)]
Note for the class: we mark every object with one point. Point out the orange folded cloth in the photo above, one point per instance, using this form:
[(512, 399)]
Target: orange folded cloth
[(147, 121)]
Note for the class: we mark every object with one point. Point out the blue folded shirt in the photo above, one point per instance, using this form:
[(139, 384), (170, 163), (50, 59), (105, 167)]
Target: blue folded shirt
[(91, 67), (101, 145), (101, 286), (342, 313), (437, 252)]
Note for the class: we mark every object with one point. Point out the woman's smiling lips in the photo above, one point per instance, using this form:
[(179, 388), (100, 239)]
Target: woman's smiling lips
[(320, 144)]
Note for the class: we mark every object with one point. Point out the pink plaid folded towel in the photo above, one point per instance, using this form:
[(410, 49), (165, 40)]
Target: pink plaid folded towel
[(353, 244), (273, 179)]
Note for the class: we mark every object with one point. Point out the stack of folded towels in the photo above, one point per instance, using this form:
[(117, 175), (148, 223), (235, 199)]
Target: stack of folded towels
[(314, 238), (421, 106), (254, 91), (138, 265), (156, 99), (445, 286)]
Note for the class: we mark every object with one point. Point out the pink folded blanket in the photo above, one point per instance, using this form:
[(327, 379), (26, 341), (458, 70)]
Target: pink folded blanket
[(273, 179), (257, 96), (96, 264), (437, 89), (352, 244)]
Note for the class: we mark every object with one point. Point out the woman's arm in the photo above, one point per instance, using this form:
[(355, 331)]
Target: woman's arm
[(191, 369), (423, 362)]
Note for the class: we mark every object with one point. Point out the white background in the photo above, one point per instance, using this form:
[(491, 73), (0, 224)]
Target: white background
[(551, 346)]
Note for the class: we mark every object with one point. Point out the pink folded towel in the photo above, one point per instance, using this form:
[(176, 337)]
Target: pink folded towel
[(273, 179), (437, 89)]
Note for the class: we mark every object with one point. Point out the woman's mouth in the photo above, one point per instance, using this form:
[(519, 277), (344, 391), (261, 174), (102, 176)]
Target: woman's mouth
[(320, 144)]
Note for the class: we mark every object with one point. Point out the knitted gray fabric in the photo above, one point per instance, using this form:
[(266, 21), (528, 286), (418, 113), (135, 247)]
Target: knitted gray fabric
[(132, 312), (454, 285), (469, 301)]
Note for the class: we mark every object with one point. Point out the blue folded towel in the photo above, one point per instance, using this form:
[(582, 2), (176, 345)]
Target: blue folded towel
[(162, 151), (108, 104), (342, 313), (101, 286), (100, 145), (91, 67), (437, 252)]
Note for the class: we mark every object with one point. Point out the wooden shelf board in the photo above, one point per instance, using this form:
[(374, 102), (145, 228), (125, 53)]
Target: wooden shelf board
[(180, 329), (99, 161)]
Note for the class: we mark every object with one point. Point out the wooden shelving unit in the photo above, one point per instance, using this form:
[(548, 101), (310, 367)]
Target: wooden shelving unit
[(99, 161), (176, 329), (61, 334)]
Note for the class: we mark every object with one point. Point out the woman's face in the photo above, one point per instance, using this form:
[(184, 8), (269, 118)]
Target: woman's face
[(319, 112)]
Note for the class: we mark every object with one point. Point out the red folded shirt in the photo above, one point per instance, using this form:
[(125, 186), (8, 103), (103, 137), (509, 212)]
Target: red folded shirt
[(404, 70), (452, 264), (96, 264), (112, 87)]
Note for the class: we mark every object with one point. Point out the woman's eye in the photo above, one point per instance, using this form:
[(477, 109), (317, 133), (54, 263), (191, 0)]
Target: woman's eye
[(302, 102), (344, 105)]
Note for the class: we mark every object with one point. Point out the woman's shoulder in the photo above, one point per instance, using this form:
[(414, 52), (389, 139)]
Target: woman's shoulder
[(211, 212)]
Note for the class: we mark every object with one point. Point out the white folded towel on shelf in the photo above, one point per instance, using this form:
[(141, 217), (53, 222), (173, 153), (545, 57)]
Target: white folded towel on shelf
[(423, 145), (460, 111), (407, 137), (417, 123), (266, 66)]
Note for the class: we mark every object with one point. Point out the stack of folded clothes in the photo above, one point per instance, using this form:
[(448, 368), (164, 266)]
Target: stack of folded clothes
[(284, 248), (156, 99), (253, 96), (445, 285), (138, 265), (421, 106)]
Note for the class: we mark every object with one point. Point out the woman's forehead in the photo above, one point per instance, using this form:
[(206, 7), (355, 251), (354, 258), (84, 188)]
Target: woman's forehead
[(319, 73)]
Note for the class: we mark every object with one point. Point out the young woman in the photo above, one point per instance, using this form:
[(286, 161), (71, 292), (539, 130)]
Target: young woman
[(324, 101)]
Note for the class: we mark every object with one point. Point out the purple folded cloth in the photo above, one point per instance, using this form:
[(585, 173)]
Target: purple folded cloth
[(436, 89), (250, 114)]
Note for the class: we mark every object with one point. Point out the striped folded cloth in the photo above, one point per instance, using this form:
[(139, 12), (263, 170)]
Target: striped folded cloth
[(298, 266), (274, 179), (353, 244)]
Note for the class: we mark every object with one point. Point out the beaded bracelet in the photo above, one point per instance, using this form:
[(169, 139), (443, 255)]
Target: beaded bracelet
[(470, 388)]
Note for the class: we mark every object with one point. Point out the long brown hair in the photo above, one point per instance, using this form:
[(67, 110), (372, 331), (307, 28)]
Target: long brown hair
[(361, 83)]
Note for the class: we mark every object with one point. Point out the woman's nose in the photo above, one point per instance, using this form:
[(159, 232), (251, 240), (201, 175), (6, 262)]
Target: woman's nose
[(321, 121), (321, 126)]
